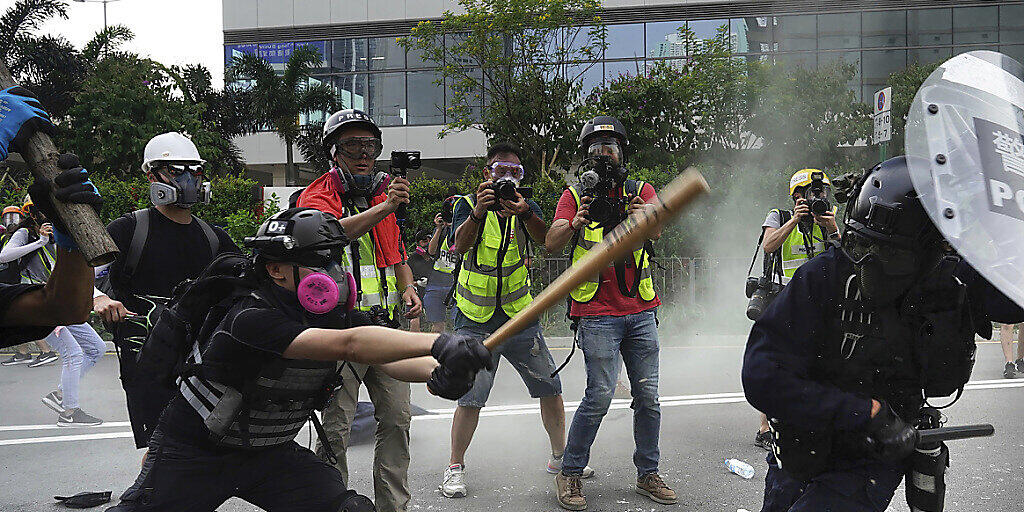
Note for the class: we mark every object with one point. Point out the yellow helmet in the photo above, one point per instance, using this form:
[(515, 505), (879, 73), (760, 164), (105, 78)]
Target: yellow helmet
[(802, 178)]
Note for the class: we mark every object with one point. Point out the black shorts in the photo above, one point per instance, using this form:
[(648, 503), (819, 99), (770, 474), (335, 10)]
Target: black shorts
[(182, 477), (146, 400)]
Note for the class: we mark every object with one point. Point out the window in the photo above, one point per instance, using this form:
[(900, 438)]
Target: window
[(386, 53), (884, 29), (345, 85), (415, 59), (796, 33), (707, 29), (348, 55), (806, 60), (426, 99), (839, 31), (975, 25), (826, 59), (1011, 24), (926, 27), (924, 56), (625, 41), (663, 39), (590, 76), (1015, 51), (473, 99), (878, 65), (614, 70), (387, 98), (752, 34)]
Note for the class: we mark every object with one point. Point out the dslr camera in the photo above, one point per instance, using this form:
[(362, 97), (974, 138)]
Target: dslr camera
[(598, 181), (761, 291), (404, 161), (506, 188), (817, 197), (447, 209)]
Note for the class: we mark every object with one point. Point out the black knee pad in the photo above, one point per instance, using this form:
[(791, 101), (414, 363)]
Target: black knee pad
[(352, 501)]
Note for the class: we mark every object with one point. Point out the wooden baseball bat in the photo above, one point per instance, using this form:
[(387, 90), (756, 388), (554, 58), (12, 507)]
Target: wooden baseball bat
[(631, 233), (40, 153)]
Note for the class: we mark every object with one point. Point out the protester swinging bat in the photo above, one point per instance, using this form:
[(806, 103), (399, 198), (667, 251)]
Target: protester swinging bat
[(621, 241), (84, 225)]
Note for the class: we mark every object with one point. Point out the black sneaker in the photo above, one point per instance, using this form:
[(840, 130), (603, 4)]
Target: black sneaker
[(1009, 371), (763, 440), (54, 401), (44, 359), (77, 418), (1020, 365), (17, 359)]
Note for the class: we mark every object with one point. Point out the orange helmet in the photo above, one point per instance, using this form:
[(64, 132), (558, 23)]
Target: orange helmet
[(13, 209)]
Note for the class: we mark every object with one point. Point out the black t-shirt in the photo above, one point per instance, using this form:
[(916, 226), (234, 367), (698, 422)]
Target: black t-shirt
[(253, 333), (420, 264), (173, 253), (10, 336)]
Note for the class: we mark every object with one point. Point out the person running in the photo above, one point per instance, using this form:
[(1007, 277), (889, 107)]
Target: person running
[(10, 273), (79, 345)]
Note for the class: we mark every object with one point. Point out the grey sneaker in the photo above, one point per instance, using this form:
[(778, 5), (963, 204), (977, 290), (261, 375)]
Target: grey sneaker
[(44, 359), (454, 485), (555, 466), (1009, 371), (54, 400), (77, 418), (17, 359), (1020, 365)]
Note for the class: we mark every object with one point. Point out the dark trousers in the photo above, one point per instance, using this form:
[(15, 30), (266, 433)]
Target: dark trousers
[(182, 477), (861, 486), (146, 400)]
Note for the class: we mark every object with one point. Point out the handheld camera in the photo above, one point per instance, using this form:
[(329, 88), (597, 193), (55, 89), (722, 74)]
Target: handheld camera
[(506, 188), (598, 182), (401, 163), (817, 196)]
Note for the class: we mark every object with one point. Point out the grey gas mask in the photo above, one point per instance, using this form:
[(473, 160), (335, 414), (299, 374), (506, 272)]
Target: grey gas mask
[(185, 188)]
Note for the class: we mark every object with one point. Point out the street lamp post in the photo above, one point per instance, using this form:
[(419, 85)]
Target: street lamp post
[(104, 2)]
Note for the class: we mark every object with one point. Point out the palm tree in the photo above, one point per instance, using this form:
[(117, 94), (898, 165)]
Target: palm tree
[(279, 100)]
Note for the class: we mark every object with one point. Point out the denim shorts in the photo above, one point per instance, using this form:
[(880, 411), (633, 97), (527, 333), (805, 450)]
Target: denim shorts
[(528, 354)]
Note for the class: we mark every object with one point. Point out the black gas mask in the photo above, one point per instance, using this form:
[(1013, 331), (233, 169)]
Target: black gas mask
[(885, 271), (600, 176), (184, 186)]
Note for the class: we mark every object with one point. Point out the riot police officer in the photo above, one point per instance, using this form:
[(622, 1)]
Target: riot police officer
[(843, 361)]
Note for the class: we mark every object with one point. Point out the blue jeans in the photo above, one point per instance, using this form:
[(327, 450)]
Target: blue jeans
[(528, 354), (603, 339), (79, 347)]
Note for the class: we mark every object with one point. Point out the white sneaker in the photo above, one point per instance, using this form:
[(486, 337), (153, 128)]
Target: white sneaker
[(453, 485), (555, 465)]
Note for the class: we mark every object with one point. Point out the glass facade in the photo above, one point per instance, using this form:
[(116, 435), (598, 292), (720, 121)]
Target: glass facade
[(398, 88)]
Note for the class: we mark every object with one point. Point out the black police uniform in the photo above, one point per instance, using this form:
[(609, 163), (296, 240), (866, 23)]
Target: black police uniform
[(204, 451), (818, 356)]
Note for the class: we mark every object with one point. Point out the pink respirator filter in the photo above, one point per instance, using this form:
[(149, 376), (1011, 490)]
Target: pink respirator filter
[(318, 293)]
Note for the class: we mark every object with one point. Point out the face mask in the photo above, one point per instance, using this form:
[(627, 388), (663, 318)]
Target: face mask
[(320, 292), (362, 182), (184, 191), (879, 287)]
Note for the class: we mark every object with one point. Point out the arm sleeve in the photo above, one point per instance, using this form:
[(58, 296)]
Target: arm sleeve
[(566, 208), (991, 302), (265, 329), (462, 212), (19, 246), (648, 194), (773, 220), (781, 348)]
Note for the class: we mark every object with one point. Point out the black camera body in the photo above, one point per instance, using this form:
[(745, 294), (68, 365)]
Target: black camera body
[(817, 195), (376, 315), (403, 161), (761, 291), (448, 209), (598, 183), (506, 188)]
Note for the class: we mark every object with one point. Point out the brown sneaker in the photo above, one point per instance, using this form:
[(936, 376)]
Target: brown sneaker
[(570, 492), (652, 486)]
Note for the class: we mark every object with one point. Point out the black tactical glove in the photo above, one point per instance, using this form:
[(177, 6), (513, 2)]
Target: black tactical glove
[(445, 383), (70, 186), (460, 354), (890, 439)]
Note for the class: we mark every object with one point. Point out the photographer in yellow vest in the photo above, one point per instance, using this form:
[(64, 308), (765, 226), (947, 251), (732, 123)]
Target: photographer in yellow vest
[(798, 235)]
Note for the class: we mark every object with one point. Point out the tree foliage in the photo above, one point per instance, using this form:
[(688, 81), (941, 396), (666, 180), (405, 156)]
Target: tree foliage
[(278, 100), (905, 84), (514, 69)]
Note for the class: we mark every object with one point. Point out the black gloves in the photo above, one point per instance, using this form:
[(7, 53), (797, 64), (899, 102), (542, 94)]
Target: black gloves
[(460, 354), (890, 439), (72, 186), (447, 384)]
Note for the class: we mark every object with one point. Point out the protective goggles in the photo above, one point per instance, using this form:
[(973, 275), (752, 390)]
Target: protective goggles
[(358, 148), (507, 170), (607, 147), (178, 168), (894, 260), (10, 218)]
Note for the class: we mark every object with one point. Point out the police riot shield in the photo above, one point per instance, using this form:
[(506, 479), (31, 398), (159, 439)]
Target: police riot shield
[(965, 150)]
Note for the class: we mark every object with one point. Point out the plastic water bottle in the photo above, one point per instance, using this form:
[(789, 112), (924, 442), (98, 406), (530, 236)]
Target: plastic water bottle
[(740, 468)]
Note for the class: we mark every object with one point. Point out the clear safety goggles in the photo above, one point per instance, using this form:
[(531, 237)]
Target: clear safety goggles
[(894, 260), (507, 170), (176, 169), (10, 218), (358, 148), (609, 148)]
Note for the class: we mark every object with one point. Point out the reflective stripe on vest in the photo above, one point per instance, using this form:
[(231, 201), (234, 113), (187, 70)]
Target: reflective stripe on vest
[(369, 276), (590, 236), (477, 286), (794, 253), (446, 258)]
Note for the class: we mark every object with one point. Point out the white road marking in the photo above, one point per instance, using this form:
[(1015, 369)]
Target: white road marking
[(443, 414)]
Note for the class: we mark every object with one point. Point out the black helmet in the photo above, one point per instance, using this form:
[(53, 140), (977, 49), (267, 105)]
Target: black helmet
[(602, 125), (884, 207), (342, 118), (305, 236)]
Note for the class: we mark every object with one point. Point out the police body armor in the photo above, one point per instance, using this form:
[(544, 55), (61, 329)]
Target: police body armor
[(265, 411), (925, 349)]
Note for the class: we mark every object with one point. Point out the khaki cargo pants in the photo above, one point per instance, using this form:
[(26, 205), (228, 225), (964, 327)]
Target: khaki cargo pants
[(391, 402)]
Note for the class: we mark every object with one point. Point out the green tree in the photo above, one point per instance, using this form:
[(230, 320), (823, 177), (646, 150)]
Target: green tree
[(224, 111), (905, 84), (122, 104), (513, 68), (806, 118), (279, 100)]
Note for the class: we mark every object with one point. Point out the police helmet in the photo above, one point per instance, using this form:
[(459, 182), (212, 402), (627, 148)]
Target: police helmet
[(346, 118), (884, 207), (602, 125), (305, 236)]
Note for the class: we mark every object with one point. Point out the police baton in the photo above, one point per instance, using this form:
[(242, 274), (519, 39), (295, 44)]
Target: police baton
[(84, 225), (933, 436)]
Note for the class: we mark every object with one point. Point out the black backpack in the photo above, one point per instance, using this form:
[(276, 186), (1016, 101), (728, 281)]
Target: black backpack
[(10, 272)]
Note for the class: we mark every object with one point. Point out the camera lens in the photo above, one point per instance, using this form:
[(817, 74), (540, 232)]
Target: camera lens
[(820, 206)]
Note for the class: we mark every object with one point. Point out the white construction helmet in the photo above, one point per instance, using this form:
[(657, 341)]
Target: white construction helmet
[(170, 147)]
